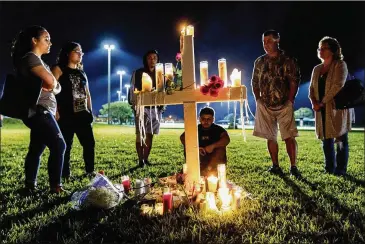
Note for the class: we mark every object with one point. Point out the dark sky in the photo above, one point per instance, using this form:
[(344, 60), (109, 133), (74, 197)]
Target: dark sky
[(222, 29)]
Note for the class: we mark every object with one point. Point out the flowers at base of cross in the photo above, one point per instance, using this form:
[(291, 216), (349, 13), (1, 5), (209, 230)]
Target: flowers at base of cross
[(213, 87)]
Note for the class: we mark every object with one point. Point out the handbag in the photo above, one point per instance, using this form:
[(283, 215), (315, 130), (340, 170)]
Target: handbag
[(19, 94), (352, 94)]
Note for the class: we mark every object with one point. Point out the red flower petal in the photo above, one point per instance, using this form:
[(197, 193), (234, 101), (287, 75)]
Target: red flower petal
[(204, 89), (213, 92)]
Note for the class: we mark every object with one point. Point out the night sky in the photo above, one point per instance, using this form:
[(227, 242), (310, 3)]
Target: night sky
[(222, 29)]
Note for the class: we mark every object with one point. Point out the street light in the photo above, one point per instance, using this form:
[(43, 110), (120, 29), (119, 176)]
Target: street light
[(127, 89), (123, 98), (109, 48), (118, 95), (121, 73)]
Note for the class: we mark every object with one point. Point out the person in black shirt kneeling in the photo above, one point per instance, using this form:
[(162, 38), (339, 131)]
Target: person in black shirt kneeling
[(213, 140)]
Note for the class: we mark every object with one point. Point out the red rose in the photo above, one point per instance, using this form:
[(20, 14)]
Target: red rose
[(101, 172), (214, 78), (218, 84), (204, 89), (178, 56), (213, 92)]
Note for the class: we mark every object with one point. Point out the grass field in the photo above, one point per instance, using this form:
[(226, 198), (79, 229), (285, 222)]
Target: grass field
[(321, 208)]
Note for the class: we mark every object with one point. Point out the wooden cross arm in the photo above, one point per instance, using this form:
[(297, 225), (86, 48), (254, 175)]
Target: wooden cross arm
[(194, 95)]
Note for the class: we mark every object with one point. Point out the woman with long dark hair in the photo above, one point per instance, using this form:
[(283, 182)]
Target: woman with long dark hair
[(41, 88), (74, 106)]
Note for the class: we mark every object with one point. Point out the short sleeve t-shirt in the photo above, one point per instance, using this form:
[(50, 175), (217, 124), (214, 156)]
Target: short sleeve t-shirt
[(73, 98), (46, 99), (209, 136)]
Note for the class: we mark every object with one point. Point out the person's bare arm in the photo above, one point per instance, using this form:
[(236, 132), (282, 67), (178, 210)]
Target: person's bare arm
[(49, 81), (223, 142), (255, 81), (57, 72)]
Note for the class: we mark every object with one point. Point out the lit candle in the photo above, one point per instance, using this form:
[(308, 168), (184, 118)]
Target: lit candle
[(182, 34), (185, 168), (197, 188), (159, 208), (126, 183), (212, 183), (204, 73), (236, 78), (210, 198), (225, 198), (169, 71), (146, 82), (167, 202), (236, 192), (190, 30), (221, 168), (202, 185), (159, 77), (222, 70)]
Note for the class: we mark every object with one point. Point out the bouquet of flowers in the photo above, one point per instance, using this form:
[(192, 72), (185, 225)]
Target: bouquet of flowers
[(213, 87), (100, 193)]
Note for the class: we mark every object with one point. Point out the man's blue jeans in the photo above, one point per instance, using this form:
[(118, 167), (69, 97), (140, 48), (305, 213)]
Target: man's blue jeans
[(336, 162), (44, 132)]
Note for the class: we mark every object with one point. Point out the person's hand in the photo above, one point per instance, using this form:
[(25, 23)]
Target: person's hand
[(202, 151), (57, 115), (210, 148), (317, 106)]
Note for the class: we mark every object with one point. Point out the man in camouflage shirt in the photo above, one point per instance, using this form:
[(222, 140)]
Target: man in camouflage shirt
[(275, 81)]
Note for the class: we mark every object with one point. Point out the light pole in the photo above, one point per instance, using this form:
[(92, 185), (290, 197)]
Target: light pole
[(109, 48), (118, 95), (123, 98), (121, 73), (127, 89)]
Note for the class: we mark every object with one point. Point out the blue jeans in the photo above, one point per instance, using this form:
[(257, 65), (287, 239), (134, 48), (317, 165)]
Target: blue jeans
[(44, 131), (336, 162)]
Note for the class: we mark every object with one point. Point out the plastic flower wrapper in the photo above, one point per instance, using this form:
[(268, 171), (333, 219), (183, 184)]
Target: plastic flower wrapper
[(100, 193), (204, 89)]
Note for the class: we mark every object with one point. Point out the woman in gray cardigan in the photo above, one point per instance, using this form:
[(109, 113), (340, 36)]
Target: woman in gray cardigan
[(332, 125)]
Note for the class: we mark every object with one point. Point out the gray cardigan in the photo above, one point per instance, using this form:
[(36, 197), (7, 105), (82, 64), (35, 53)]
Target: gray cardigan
[(338, 122)]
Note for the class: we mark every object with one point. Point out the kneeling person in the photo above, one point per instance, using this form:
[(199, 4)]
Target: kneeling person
[(213, 140)]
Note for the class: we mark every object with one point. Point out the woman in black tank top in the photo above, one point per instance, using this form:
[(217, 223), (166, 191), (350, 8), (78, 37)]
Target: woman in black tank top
[(74, 107)]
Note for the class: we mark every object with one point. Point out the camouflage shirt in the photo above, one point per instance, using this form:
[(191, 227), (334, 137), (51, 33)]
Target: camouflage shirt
[(271, 76)]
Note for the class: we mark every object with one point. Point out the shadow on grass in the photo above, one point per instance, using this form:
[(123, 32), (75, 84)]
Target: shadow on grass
[(333, 228), (7, 221), (355, 180), (118, 225)]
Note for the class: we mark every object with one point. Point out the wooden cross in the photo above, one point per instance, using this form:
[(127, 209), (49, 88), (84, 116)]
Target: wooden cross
[(189, 97)]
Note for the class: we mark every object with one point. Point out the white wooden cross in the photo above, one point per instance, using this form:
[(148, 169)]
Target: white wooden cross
[(189, 97)]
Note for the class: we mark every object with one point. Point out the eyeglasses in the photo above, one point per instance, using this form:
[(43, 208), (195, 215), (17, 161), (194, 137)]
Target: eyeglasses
[(322, 49), (78, 52)]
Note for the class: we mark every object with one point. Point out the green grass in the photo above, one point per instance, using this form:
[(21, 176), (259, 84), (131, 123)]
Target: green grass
[(321, 208)]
